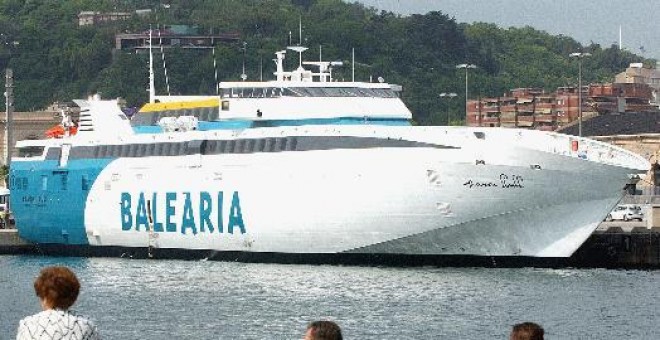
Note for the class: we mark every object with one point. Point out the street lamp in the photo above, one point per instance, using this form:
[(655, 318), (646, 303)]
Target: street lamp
[(579, 56), (466, 67), (449, 96), (244, 75)]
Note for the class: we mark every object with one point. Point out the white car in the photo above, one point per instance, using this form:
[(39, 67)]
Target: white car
[(626, 212)]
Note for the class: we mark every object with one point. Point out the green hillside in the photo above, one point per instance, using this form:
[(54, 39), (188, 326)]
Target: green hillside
[(56, 60)]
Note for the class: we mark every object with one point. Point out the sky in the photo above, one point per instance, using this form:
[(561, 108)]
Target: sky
[(586, 21)]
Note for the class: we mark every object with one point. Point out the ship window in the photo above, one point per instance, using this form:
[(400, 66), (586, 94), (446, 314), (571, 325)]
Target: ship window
[(151, 150), (85, 183), (44, 182), (30, 151), (384, 93), (238, 146), (270, 145), (124, 150), (320, 92), (259, 146), (269, 92), (480, 135), (293, 142), (229, 147), (287, 92), (338, 92), (158, 151), (17, 183), (64, 179), (275, 92), (249, 144), (216, 146)]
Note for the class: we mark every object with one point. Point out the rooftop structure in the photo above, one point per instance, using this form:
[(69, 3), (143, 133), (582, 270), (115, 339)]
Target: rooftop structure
[(637, 73), (172, 36), (28, 125), (86, 18)]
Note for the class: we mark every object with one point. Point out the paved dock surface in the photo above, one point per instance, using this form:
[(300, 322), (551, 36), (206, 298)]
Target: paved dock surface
[(625, 226)]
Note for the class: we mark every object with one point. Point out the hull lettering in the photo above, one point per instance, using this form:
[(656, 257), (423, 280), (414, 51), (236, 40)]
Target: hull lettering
[(187, 213)]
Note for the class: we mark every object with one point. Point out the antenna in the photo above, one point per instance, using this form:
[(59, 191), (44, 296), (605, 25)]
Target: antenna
[(9, 114), (243, 75), (152, 90), (300, 50), (300, 30), (261, 68), (215, 72), (162, 53), (353, 65)]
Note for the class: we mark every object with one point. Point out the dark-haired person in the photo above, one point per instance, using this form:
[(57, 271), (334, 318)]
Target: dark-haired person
[(527, 331), (323, 330), (57, 288)]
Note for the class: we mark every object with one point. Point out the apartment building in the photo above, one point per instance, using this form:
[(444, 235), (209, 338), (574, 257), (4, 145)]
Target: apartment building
[(533, 108)]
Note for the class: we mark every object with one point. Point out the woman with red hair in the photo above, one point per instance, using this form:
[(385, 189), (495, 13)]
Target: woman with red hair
[(57, 288)]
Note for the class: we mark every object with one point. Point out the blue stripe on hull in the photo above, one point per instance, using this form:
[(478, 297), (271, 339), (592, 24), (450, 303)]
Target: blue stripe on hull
[(246, 124), (48, 201)]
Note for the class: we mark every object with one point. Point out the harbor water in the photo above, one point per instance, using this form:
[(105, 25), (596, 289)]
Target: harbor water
[(147, 299)]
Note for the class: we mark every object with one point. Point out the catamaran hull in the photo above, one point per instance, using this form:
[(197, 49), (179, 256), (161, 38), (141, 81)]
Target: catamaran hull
[(354, 203)]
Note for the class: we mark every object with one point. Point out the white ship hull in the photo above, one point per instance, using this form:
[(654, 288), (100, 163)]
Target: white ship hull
[(393, 201)]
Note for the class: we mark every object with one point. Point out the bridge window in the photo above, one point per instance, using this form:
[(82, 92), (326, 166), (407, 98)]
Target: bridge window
[(312, 91), (31, 151)]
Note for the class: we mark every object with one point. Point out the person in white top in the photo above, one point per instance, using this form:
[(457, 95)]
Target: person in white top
[(57, 288)]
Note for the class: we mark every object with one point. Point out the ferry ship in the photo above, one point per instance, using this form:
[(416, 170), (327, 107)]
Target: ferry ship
[(304, 167)]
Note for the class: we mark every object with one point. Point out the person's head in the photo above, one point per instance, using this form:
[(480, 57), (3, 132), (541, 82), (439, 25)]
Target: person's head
[(527, 331), (323, 330), (57, 287)]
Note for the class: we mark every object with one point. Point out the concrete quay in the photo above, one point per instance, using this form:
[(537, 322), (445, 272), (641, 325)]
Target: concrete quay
[(10, 243), (620, 245)]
